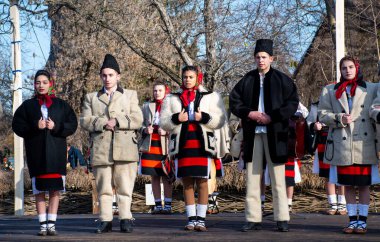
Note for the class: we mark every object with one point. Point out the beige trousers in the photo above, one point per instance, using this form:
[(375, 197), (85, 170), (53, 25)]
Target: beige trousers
[(253, 211), (122, 176)]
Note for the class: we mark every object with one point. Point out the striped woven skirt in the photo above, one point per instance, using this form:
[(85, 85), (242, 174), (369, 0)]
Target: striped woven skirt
[(47, 183), (292, 171), (150, 162), (354, 175), (192, 160)]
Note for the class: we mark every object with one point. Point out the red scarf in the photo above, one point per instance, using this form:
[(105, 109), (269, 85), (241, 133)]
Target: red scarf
[(45, 98), (344, 83), (158, 104), (188, 95)]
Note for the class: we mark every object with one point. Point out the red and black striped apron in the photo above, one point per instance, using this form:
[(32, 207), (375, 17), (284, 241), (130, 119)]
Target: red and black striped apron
[(324, 169), (150, 163), (192, 160), (290, 172), (355, 175)]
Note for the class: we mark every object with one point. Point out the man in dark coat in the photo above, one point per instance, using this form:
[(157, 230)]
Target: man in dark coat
[(265, 99)]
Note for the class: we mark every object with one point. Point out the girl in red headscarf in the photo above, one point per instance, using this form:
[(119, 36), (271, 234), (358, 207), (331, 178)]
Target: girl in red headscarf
[(155, 149), (347, 108), (44, 122), (191, 115)]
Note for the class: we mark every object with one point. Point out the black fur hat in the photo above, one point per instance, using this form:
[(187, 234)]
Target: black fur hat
[(264, 45), (110, 62)]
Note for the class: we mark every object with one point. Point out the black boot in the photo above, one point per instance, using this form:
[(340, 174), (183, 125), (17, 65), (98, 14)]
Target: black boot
[(282, 226), (126, 225), (251, 226), (104, 227)]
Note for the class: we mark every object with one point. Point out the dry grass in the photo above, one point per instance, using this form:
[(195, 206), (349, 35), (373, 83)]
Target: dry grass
[(79, 180)]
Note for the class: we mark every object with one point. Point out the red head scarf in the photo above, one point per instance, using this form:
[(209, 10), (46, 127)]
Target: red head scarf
[(344, 83), (188, 94)]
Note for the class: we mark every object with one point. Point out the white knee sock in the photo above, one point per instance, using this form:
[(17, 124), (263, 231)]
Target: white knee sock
[(352, 209), (190, 211), (331, 198), (341, 199), (42, 220), (201, 210), (363, 209)]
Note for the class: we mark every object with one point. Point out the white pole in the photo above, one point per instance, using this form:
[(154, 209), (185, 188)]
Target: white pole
[(17, 100), (339, 38)]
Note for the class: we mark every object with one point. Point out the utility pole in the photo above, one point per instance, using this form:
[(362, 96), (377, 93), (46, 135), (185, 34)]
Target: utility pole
[(340, 44), (17, 100)]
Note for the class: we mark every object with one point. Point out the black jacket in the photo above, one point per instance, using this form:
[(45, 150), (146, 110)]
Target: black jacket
[(280, 103), (45, 149)]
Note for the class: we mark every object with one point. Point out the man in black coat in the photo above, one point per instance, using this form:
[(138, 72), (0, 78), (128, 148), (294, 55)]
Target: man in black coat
[(264, 99)]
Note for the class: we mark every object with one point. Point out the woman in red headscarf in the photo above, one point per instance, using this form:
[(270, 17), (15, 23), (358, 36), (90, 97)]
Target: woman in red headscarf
[(191, 116), (347, 108), (44, 122), (155, 149)]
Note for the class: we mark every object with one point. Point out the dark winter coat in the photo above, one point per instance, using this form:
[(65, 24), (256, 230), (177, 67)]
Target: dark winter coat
[(280, 103), (45, 149)]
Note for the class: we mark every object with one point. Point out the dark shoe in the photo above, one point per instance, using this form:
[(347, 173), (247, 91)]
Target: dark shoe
[(282, 226), (126, 225), (251, 226), (157, 210), (42, 232), (51, 231), (104, 227)]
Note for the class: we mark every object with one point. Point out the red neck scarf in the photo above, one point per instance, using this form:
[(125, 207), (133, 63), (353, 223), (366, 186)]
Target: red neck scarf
[(158, 104), (45, 98), (344, 83), (188, 95)]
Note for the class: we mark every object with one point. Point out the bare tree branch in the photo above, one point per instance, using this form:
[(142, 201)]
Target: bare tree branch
[(174, 37)]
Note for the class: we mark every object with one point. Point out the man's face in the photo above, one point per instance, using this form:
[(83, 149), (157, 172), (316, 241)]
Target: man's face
[(110, 77), (348, 70), (263, 61)]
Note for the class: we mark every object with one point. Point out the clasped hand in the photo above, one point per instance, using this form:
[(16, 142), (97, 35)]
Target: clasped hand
[(110, 125), (259, 117), (43, 124), (184, 116)]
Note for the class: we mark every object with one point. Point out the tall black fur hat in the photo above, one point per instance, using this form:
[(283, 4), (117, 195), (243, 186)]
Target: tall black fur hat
[(264, 45), (110, 62)]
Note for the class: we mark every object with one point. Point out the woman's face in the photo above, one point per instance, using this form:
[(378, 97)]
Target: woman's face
[(159, 92), (348, 70), (189, 79), (42, 84)]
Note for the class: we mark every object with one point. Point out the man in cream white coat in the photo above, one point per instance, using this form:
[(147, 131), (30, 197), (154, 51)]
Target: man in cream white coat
[(113, 116)]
